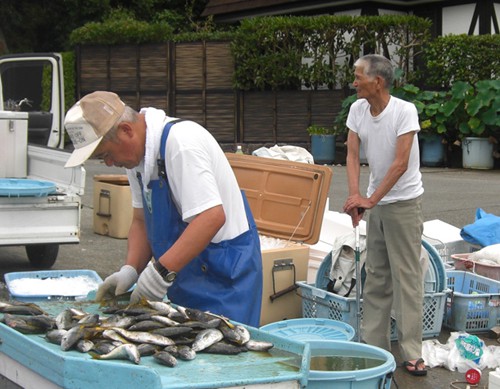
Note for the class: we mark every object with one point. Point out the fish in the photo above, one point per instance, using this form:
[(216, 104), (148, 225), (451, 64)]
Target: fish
[(178, 317), (113, 335), (238, 334), (147, 349), (186, 353), (165, 358), (64, 320), (125, 351), (146, 325), (19, 324), (118, 321), (166, 321), (144, 337), (161, 307), (212, 323), (223, 348), (136, 310), (55, 336), (84, 345), (89, 319), (42, 322), (71, 338), (183, 352), (105, 346), (206, 338), (19, 308), (258, 345), (172, 331)]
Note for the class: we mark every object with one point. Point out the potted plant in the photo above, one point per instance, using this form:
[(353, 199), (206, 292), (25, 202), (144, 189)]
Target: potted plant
[(434, 130), (475, 113), (322, 143)]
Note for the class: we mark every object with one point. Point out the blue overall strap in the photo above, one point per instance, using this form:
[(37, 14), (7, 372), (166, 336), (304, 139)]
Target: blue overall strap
[(162, 170)]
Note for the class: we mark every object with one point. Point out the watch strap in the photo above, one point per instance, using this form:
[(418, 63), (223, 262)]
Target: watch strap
[(162, 270)]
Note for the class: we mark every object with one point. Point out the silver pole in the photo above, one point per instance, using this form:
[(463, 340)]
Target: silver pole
[(358, 284)]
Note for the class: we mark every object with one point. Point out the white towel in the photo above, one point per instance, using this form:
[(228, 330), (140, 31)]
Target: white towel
[(155, 122)]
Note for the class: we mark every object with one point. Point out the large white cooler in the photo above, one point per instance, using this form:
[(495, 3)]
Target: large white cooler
[(13, 144), (288, 202)]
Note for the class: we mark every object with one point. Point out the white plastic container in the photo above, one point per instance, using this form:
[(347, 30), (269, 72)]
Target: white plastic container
[(494, 379), (14, 144), (477, 153)]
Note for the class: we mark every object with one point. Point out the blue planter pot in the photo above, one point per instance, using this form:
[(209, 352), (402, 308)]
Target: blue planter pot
[(432, 150), (323, 149)]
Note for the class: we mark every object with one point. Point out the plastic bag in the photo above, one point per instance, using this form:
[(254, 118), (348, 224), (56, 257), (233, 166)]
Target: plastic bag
[(485, 231), (461, 352), (289, 153)]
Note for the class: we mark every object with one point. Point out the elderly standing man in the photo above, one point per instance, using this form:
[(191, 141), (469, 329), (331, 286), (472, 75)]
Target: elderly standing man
[(189, 214), (386, 127)]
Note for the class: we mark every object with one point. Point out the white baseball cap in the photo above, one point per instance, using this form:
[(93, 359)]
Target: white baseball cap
[(89, 120)]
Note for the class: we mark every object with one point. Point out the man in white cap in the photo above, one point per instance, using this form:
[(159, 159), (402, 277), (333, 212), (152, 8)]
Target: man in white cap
[(189, 213)]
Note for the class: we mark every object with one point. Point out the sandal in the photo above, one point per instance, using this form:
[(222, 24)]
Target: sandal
[(416, 371)]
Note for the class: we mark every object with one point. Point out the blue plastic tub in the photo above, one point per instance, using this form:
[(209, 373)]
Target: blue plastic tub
[(37, 295), (305, 329), (17, 187), (365, 378)]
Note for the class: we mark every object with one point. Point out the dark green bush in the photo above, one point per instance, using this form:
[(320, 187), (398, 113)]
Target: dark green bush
[(317, 51), (468, 58), (121, 28)]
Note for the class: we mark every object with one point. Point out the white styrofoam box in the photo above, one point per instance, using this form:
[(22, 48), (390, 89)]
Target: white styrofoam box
[(317, 252), (446, 239), (494, 379), (336, 224), (312, 269)]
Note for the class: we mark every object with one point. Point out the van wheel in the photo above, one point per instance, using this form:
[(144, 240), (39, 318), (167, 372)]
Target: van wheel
[(42, 256)]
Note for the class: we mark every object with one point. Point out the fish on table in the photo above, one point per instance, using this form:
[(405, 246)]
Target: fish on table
[(129, 332)]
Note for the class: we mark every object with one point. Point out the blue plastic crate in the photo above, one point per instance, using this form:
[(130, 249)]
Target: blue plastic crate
[(318, 303), (48, 274), (474, 303)]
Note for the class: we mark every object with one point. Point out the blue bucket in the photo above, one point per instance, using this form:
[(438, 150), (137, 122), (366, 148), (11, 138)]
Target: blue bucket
[(432, 151), (368, 378), (323, 149)]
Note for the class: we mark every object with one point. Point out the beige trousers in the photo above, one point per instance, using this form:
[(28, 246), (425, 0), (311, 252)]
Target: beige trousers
[(394, 277)]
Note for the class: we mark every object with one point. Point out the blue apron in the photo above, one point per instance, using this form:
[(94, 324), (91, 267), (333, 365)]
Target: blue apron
[(226, 278)]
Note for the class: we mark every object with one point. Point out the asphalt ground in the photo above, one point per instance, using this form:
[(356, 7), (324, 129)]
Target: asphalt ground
[(451, 195)]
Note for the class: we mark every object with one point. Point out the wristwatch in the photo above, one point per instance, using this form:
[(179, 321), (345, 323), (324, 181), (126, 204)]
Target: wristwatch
[(167, 275)]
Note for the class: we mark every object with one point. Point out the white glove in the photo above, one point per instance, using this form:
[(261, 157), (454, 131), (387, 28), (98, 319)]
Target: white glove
[(150, 286), (117, 283)]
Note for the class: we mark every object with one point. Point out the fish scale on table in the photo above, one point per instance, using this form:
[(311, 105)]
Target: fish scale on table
[(128, 332)]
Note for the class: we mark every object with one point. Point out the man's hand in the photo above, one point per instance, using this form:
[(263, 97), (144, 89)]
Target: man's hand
[(150, 286), (117, 283)]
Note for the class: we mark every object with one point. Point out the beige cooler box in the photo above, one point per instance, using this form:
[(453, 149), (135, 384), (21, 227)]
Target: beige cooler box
[(288, 202), (112, 205)]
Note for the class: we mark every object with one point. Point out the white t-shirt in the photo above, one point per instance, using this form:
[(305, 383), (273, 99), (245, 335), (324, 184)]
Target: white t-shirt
[(200, 177), (378, 136)]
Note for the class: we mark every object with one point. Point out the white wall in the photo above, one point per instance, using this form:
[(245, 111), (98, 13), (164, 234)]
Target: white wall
[(457, 19)]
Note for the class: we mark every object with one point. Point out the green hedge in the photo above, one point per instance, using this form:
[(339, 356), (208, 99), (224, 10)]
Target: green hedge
[(467, 58), (269, 51)]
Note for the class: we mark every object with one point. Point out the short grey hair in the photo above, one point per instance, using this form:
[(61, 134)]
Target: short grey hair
[(375, 65), (129, 115)]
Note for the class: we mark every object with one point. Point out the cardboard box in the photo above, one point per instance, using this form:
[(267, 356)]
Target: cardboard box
[(112, 205), (288, 202)]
